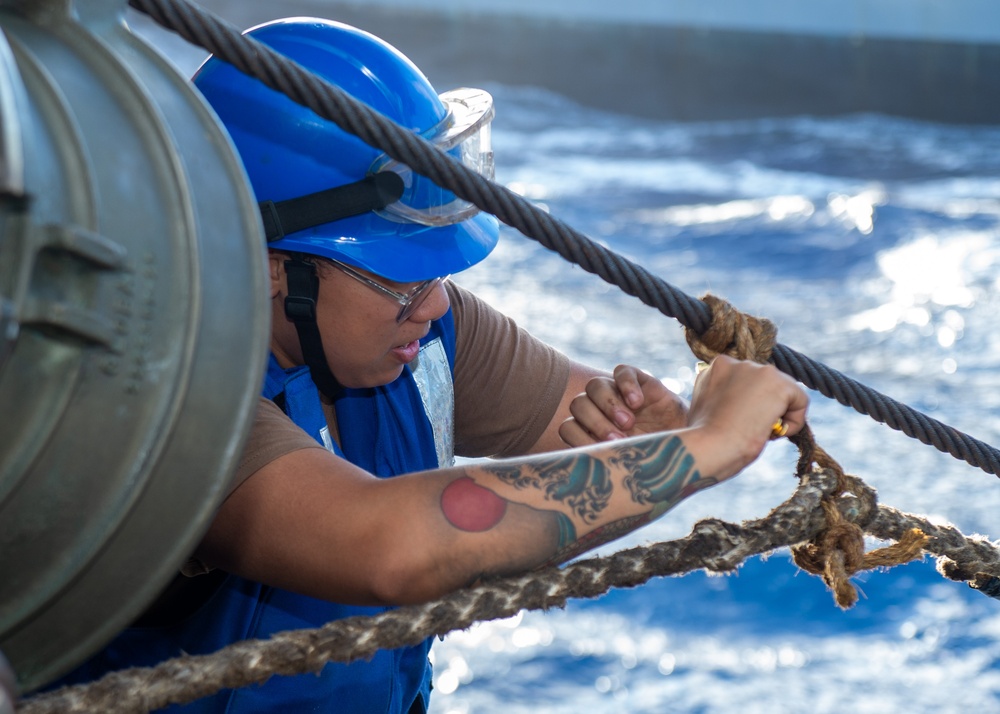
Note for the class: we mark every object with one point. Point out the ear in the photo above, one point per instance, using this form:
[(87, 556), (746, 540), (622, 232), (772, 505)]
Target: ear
[(276, 272)]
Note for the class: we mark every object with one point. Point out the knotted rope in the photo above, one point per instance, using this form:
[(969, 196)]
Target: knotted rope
[(732, 333), (838, 551)]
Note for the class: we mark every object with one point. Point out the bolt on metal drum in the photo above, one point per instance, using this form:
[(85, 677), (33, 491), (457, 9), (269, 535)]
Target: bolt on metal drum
[(133, 326)]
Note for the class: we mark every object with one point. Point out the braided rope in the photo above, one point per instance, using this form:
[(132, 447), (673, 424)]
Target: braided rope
[(712, 544)]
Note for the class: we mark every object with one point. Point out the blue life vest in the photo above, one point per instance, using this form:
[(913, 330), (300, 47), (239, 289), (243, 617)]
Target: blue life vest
[(402, 427)]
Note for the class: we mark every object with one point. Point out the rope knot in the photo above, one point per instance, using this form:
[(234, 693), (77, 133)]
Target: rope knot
[(838, 551), (732, 333)]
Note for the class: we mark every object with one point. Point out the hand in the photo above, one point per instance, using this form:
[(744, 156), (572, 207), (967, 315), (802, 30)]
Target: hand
[(632, 403), (735, 404)]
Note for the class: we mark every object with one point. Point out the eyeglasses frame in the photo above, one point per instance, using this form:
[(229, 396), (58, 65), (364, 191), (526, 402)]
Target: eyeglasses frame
[(408, 302)]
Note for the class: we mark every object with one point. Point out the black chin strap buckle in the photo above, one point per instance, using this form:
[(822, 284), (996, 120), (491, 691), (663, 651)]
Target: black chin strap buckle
[(300, 309), (303, 289)]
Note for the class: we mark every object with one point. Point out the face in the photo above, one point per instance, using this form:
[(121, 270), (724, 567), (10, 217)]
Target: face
[(364, 344)]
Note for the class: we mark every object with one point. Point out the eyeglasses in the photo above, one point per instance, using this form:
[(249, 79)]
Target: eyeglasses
[(408, 302)]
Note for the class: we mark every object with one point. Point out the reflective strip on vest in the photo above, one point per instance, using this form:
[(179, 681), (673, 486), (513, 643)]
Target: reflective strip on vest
[(432, 374)]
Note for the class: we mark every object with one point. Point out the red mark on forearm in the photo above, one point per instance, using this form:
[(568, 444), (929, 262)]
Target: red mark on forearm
[(470, 507)]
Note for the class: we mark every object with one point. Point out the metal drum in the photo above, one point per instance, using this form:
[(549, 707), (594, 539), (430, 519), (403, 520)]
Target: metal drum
[(133, 326)]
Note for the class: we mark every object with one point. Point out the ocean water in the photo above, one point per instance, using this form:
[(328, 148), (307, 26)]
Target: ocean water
[(872, 242)]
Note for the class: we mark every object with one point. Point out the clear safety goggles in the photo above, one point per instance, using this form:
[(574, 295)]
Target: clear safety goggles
[(465, 134)]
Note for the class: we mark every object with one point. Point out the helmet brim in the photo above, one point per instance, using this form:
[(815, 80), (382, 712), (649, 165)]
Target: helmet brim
[(400, 252)]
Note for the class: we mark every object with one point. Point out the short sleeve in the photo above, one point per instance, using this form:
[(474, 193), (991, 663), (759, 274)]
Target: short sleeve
[(508, 384), (272, 436)]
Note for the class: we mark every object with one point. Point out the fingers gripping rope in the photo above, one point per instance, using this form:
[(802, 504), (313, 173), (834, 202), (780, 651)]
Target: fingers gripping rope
[(838, 551)]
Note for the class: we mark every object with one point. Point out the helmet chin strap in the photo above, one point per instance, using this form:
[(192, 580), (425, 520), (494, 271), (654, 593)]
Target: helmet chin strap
[(300, 308)]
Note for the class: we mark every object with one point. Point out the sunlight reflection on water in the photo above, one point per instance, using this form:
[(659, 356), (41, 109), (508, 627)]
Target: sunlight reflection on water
[(852, 236)]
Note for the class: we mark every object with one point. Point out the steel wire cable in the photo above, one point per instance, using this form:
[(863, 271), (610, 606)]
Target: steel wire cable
[(256, 59)]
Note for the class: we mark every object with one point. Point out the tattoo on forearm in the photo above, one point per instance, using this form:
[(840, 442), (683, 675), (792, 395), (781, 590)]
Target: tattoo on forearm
[(580, 482), (570, 546), (661, 474), (658, 473), (470, 507)]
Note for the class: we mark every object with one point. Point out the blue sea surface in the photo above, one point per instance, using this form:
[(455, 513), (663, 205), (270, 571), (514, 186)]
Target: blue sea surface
[(871, 242)]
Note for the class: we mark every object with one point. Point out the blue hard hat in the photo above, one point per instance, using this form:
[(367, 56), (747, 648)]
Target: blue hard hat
[(290, 153)]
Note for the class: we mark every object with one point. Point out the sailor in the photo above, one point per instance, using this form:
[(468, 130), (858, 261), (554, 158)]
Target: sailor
[(347, 499)]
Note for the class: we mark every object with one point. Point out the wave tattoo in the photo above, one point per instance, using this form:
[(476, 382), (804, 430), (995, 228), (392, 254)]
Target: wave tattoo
[(580, 482), (661, 474), (658, 473)]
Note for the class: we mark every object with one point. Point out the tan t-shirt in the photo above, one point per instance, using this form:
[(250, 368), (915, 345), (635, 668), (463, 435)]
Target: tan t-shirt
[(507, 387)]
